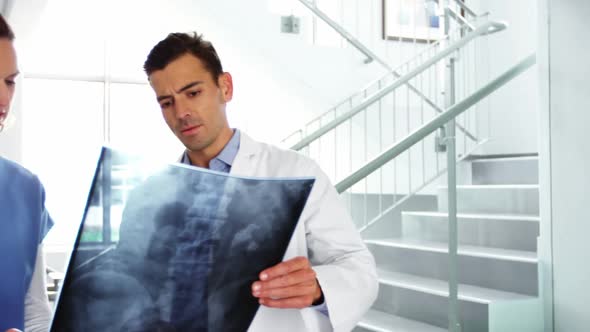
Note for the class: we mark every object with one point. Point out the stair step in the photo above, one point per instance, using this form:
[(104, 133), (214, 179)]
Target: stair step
[(502, 199), (468, 293), (379, 321), (496, 186), (476, 216), (515, 232), (463, 250), (516, 170), (514, 271)]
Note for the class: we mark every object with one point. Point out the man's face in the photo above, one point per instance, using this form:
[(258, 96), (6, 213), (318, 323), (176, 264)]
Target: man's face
[(8, 73), (192, 104)]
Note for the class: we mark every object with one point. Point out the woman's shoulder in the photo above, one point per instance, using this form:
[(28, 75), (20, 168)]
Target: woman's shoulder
[(11, 171)]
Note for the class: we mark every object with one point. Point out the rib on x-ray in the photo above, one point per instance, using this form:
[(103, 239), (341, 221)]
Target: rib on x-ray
[(174, 248)]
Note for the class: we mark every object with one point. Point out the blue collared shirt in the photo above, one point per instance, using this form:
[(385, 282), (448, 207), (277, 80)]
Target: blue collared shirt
[(224, 160)]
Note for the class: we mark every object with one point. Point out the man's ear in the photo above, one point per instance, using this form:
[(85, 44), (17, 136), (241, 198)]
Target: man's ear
[(226, 84)]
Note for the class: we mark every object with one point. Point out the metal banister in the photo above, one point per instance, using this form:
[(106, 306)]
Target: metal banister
[(484, 29), (439, 121), (367, 52), (370, 55), (460, 19), (349, 37), (466, 8)]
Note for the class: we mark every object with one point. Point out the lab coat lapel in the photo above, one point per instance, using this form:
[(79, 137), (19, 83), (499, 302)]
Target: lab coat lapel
[(245, 163)]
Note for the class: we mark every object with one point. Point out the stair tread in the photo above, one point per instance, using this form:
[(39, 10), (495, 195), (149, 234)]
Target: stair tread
[(440, 287), (494, 186), (378, 321), (490, 216), (504, 159), (463, 250)]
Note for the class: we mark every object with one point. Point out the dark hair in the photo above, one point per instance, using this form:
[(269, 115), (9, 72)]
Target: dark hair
[(5, 30), (178, 44)]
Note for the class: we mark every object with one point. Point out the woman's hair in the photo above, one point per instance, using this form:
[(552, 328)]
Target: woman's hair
[(5, 30)]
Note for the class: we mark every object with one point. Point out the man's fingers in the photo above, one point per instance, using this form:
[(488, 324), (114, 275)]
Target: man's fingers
[(290, 284), (302, 289), (285, 267), (291, 279)]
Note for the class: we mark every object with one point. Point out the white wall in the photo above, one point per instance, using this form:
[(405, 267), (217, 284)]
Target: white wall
[(514, 108), (564, 135)]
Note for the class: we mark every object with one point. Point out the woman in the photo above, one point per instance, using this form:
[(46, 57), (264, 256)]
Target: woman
[(24, 221)]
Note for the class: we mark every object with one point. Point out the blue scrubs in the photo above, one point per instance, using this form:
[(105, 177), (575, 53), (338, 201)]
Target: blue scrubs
[(24, 222)]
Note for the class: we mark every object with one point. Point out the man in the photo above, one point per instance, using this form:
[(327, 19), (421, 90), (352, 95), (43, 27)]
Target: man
[(327, 280)]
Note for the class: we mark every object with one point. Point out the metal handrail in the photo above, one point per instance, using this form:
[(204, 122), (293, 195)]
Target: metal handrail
[(427, 129), (484, 29), (351, 39), (466, 8), (371, 84), (464, 22), (367, 52), (370, 55)]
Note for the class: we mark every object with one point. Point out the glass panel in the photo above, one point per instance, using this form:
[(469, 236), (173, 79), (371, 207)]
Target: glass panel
[(137, 123), (127, 55), (70, 38), (62, 135)]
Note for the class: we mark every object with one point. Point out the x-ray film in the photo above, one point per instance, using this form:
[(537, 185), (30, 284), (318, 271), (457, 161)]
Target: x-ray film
[(174, 247)]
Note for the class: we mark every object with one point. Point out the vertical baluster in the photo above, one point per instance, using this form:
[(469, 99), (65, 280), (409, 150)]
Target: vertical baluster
[(350, 161), (488, 75), (465, 94), (319, 140), (452, 208), (341, 10), (335, 148), (366, 149), (401, 48), (380, 150), (453, 313), (414, 34), (422, 123), (473, 88), (357, 19), (478, 82), (394, 137), (437, 95), (408, 131), (314, 26)]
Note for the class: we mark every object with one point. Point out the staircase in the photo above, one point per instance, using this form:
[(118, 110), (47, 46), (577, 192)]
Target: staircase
[(474, 269), (498, 226)]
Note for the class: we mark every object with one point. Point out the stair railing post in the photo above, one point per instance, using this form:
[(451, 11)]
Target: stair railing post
[(454, 325)]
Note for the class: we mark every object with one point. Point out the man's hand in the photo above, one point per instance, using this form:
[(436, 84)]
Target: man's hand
[(290, 284)]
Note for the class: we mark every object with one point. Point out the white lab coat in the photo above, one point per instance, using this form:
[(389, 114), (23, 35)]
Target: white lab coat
[(326, 235)]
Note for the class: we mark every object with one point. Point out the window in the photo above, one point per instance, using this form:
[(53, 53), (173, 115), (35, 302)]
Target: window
[(62, 125), (83, 87), (136, 122)]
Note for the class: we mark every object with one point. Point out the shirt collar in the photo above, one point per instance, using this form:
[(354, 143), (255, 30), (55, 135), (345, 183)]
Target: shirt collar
[(227, 154)]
